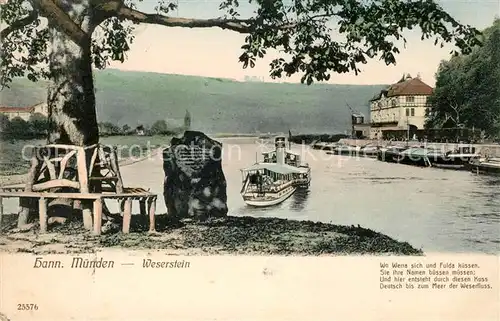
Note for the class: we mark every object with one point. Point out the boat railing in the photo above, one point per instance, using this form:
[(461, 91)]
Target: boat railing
[(277, 186), (302, 181), (245, 184)]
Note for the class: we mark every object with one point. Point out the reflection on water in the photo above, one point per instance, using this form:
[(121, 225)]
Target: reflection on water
[(433, 209), (299, 199)]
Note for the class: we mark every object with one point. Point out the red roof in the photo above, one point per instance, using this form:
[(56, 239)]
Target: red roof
[(410, 86), (16, 109), (407, 86)]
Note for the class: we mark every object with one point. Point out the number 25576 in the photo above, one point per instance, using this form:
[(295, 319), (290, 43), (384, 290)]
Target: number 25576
[(27, 307)]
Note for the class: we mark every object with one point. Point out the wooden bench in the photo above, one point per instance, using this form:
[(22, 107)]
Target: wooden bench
[(144, 197), (86, 175)]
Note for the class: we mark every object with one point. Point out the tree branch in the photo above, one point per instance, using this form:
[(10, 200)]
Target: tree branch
[(455, 109), (62, 20), (118, 9), (18, 24)]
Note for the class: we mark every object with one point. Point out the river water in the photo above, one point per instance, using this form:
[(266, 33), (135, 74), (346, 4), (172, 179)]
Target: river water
[(434, 209)]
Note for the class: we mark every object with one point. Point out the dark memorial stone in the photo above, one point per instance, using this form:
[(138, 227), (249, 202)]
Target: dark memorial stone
[(194, 185)]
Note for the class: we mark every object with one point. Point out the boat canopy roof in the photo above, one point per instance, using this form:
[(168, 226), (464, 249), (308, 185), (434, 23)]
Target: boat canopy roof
[(418, 151), (274, 152), (273, 167)]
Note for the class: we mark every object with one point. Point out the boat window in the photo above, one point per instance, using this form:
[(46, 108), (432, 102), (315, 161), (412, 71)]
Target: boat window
[(413, 111), (253, 179), (407, 112)]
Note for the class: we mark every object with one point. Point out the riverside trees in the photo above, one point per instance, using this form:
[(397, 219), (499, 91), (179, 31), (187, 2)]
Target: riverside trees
[(467, 89)]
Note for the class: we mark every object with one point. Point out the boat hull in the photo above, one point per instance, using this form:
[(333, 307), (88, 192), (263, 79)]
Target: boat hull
[(459, 162), (389, 156), (346, 151), (413, 160), (370, 153), (270, 202), (445, 162), (485, 168), (323, 146), (418, 156)]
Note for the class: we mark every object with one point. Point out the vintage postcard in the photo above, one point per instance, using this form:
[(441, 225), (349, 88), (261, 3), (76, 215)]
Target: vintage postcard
[(250, 160)]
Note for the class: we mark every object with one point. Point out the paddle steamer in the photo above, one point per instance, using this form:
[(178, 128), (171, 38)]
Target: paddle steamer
[(276, 178)]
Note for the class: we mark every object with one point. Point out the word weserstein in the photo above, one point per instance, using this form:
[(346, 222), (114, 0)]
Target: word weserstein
[(81, 263), (148, 263)]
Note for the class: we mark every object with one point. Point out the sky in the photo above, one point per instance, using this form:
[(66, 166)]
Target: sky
[(214, 52)]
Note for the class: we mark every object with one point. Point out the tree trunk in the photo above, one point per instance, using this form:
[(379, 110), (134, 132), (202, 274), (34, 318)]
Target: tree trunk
[(71, 98)]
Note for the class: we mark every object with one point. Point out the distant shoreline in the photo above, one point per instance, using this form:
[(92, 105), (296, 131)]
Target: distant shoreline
[(15, 179)]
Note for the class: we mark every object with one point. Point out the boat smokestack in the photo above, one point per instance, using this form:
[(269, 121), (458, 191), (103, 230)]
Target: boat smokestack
[(280, 145)]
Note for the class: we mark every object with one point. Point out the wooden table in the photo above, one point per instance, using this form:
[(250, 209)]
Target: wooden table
[(144, 197)]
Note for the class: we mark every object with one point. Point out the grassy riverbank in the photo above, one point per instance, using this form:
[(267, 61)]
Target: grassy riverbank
[(234, 235)]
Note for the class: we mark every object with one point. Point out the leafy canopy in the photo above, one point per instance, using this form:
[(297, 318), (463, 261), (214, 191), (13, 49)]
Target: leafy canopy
[(467, 90), (315, 37)]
